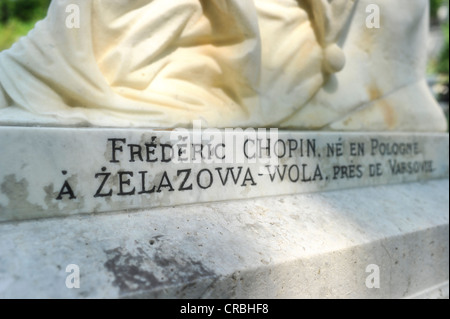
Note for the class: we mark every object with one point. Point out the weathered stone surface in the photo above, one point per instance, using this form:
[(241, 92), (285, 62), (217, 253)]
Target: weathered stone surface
[(299, 246), (63, 171)]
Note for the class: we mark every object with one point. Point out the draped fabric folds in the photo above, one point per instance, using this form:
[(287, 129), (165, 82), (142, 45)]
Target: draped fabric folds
[(160, 63)]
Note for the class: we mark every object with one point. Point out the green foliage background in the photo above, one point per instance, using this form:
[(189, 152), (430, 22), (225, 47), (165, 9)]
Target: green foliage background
[(17, 17), (441, 65), (443, 59)]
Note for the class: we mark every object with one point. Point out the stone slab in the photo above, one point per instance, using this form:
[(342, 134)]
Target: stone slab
[(316, 245), (48, 172)]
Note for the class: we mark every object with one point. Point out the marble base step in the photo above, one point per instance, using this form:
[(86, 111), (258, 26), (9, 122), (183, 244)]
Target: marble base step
[(388, 241)]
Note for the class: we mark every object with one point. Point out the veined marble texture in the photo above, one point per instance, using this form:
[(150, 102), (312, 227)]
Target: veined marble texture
[(297, 64)]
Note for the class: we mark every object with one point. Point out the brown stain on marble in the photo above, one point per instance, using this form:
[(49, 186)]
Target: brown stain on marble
[(389, 114), (387, 110), (367, 40), (374, 93)]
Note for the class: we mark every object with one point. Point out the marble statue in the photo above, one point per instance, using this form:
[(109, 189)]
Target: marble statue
[(297, 64)]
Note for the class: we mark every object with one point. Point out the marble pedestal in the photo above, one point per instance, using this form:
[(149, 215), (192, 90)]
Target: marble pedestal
[(298, 246), (56, 172), (384, 234)]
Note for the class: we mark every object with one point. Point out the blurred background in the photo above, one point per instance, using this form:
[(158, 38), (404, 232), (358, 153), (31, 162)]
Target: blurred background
[(17, 17), (438, 53)]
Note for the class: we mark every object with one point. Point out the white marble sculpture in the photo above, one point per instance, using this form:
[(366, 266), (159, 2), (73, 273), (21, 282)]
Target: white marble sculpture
[(229, 63)]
